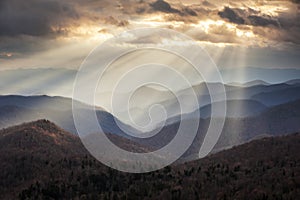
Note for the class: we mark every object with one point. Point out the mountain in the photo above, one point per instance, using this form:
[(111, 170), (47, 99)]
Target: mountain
[(262, 169), (273, 121), (241, 102), (16, 109), (248, 92), (36, 149), (234, 108), (256, 82), (270, 75), (277, 97), (41, 161), (36, 102), (269, 95), (28, 151), (249, 84), (293, 82)]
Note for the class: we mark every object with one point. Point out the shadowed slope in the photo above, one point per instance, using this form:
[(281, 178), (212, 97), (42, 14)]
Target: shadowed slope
[(41, 161)]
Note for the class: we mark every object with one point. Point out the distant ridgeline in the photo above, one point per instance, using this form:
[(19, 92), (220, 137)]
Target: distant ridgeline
[(268, 109)]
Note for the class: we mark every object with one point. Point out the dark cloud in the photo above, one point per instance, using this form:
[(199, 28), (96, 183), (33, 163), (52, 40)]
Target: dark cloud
[(247, 17), (231, 15), (261, 21), (29, 26), (161, 5), (34, 17), (117, 22), (22, 45), (208, 4), (296, 1), (188, 11), (290, 28)]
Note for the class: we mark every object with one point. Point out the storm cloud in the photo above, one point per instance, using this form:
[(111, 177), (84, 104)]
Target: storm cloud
[(248, 17), (161, 5), (231, 15), (33, 26), (34, 17)]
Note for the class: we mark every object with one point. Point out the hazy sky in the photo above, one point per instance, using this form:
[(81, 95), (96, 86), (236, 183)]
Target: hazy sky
[(60, 33)]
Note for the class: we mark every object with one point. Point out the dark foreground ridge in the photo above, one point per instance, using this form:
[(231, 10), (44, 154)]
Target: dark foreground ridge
[(39, 160)]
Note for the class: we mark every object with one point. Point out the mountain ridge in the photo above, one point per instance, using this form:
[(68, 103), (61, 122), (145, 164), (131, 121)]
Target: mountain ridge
[(259, 169)]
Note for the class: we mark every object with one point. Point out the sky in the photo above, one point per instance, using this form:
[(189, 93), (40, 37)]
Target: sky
[(43, 44), (61, 33)]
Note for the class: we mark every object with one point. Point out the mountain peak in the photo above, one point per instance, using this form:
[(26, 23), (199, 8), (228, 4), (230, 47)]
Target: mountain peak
[(45, 125), (37, 134)]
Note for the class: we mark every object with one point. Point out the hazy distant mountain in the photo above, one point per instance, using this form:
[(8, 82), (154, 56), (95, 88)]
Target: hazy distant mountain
[(237, 130), (293, 82), (233, 93), (249, 84), (41, 161), (18, 109), (273, 121), (52, 81), (270, 75), (234, 109), (248, 92), (37, 102), (256, 82), (239, 108), (277, 97), (242, 102)]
